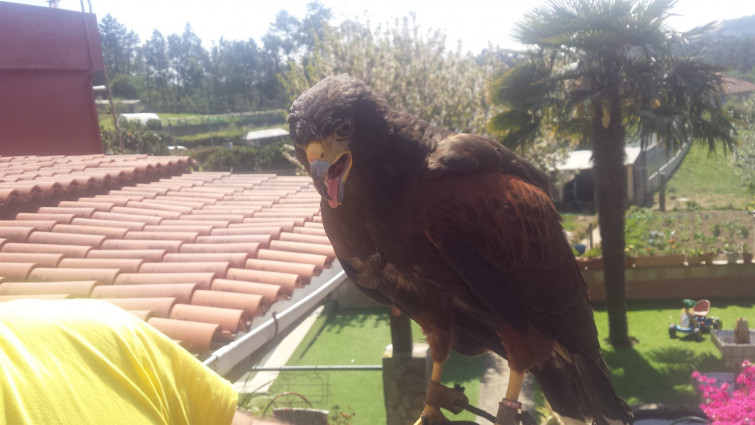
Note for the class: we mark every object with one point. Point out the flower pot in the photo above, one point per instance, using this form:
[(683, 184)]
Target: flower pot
[(747, 257), (660, 261), (731, 257), (708, 257), (694, 260), (593, 263)]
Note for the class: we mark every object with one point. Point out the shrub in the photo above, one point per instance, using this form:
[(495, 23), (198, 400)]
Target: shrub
[(136, 138), (243, 159), (723, 407)]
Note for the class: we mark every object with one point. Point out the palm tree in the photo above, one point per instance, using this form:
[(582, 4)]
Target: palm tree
[(600, 70)]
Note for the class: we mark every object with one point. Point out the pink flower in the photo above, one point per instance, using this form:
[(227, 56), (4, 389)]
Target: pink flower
[(729, 408)]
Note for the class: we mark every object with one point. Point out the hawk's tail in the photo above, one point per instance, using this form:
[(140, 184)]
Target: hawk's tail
[(582, 390)]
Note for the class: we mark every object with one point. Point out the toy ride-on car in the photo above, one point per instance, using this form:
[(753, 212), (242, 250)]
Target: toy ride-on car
[(695, 320)]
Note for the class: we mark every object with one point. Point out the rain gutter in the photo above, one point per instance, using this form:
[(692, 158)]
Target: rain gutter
[(283, 316)]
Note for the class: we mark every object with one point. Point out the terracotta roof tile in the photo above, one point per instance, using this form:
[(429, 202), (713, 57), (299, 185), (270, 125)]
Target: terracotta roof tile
[(220, 268), (287, 281), (233, 259), (321, 261), (139, 218), (57, 217), (75, 288), (76, 251), (154, 205), (16, 271), (40, 259), (83, 212), (230, 320), (167, 245), (270, 292), (143, 254), (125, 265), (159, 306), (93, 240), (45, 225), (197, 255), (110, 232), (51, 274), (16, 234), (130, 225), (252, 304), (194, 336), (182, 292), (203, 280), (165, 234), (303, 247)]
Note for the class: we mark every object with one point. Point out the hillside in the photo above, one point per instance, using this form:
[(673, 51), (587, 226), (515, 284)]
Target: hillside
[(740, 27)]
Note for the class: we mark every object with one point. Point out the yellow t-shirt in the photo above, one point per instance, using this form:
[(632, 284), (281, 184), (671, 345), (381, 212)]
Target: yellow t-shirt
[(89, 362)]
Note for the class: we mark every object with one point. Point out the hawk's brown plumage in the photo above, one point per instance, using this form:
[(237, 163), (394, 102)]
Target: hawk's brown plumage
[(459, 233)]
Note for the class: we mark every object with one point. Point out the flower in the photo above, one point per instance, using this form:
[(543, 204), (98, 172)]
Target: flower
[(724, 406)]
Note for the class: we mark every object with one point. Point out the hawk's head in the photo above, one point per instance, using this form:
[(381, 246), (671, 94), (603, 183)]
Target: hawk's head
[(331, 125)]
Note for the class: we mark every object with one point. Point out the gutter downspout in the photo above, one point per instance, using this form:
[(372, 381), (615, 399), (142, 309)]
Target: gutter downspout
[(227, 357)]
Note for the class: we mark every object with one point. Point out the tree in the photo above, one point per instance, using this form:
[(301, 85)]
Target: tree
[(234, 71), (602, 70), (119, 45), (411, 67), (155, 53), (188, 62)]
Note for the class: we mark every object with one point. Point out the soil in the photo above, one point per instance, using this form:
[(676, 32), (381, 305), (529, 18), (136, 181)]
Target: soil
[(685, 223)]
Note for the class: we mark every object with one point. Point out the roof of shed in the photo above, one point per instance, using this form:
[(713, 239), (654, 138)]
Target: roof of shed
[(582, 159), (199, 256)]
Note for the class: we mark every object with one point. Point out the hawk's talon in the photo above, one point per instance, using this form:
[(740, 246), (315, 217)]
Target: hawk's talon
[(432, 415)]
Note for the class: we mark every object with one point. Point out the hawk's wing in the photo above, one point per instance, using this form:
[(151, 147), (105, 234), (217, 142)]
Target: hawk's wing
[(502, 235)]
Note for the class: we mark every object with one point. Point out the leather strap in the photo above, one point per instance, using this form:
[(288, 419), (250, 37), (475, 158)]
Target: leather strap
[(450, 399)]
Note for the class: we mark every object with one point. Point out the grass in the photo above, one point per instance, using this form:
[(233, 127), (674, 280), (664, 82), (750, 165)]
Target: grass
[(657, 369), (359, 337), (708, 179), (578, 224)]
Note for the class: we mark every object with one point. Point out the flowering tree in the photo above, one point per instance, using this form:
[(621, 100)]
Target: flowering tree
[(723, 407), (743, 158)]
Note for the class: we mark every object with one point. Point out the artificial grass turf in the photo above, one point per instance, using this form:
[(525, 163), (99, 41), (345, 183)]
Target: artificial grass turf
[(656, 369), (359, 337)]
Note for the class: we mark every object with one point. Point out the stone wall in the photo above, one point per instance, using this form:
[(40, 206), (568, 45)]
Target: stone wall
[(405, 385), (675, 282)]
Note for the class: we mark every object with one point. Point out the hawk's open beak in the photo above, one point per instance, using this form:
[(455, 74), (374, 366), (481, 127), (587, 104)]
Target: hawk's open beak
[(329, 176)]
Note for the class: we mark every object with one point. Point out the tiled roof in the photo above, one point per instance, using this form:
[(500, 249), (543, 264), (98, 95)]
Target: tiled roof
[(199, 256), (733, 85)]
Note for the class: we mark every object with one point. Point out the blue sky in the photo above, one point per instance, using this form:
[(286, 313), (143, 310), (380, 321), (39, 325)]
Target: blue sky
[(473, 22)]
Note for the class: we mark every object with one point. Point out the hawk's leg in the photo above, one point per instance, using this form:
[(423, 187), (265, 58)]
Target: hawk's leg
[(509, 406), (431, 414)]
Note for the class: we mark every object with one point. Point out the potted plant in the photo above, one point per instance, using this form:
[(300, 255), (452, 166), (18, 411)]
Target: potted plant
[(594, 259), (732, 255), (746, 254), (694, 256), (707, 243)]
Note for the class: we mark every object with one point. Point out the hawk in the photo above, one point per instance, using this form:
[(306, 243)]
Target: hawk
[(460, 234)]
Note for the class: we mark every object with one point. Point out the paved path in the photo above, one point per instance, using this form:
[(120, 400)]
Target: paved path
[(493, 385), (261, 381)]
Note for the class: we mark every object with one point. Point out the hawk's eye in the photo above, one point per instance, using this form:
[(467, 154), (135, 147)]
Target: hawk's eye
[(345, 129)]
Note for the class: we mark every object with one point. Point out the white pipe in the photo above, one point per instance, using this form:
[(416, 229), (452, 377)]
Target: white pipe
[(227, 357)]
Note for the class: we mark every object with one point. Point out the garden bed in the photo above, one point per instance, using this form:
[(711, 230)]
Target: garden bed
[(679, 234)]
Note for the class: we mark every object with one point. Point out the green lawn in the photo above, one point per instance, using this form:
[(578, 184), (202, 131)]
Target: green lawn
[(708, 179), (359, 337), (657, 368)]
